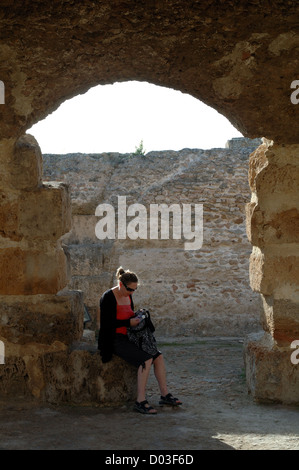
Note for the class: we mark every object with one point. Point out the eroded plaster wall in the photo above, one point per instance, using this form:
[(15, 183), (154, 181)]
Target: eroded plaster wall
[(204, 291)]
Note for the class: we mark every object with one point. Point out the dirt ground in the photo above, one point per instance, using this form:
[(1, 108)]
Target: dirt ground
[(207, 374)]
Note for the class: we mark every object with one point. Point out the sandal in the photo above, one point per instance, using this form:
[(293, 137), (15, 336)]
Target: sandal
[(170, 400), (142, 408)]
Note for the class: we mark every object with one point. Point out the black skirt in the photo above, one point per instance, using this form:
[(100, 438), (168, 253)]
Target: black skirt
[(128, 351)]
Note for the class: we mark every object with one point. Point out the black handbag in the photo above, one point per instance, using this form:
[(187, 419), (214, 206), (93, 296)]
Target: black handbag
[(143, 334)]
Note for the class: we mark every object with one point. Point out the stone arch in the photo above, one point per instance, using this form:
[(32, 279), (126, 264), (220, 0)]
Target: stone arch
[(223, 54), (213, 51)]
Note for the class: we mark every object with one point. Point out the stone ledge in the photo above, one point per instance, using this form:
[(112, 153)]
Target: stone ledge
[(41, 319), (76, 376), (80, 377), (238, 143), (270, 374)]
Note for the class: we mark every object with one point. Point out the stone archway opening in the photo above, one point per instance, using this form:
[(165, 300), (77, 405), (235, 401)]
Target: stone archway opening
[(116, 117), (220, 55), (212, 290)]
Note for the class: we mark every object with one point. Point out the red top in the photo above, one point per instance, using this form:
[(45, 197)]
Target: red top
[(123, 312)]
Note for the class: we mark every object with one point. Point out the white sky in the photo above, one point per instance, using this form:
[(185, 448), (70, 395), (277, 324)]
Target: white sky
[(115, 118)]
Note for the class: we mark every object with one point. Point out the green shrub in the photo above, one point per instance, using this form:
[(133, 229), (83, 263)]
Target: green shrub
[(140, 149)]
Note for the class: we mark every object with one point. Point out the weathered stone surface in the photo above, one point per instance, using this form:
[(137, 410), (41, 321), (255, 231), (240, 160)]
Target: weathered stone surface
[(281, 319), (270, 374), (14, 378), (230, 55), (269, 270), (7, 151), (201, 288), (220, 52), (80, 377), (75, 375), (257, 162), (26, 164), (39, 215), (273, 228), (274, 177), (9, 210), (26, 272), (41, 318), (264, 228), (45, 214), (42, 214)]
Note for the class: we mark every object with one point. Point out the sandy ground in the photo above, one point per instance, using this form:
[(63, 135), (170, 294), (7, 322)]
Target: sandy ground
[(207, 374)]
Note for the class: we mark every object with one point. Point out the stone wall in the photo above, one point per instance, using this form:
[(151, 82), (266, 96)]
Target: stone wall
[(204, 291), (222, 53)]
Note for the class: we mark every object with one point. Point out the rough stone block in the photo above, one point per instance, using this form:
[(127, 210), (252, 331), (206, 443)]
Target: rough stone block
[(14, 378), (80, 377), (273, 179), (32, 272), (40, 214), (88, 260), (269, 270), (46, 212), (92, 286), (270, 374), (74, 376), (257, 161), (7, 149), (9, 210), (83, 229), (263, 229), (26, 164), (273, 168), (43, 319), (281, 319)]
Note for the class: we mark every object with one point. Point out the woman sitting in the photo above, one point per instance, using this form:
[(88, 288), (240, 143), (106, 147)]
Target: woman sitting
[(116, 315)]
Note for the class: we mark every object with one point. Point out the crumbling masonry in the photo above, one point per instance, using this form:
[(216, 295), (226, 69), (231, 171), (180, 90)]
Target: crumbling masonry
[(238, 57)]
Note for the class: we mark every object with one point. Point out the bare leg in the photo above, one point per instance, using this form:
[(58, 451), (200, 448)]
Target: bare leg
[(160, 374), (142, 378)]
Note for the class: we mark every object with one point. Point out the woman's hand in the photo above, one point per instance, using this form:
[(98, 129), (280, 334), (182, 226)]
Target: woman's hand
[(134, 321)]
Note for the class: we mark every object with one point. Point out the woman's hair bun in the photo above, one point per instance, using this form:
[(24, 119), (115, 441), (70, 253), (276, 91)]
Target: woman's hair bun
[(126, 276), (119, 272)]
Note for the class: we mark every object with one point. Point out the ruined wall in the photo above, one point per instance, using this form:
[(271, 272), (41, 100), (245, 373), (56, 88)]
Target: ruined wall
[(239, 58), (204, 292), (273, 229)]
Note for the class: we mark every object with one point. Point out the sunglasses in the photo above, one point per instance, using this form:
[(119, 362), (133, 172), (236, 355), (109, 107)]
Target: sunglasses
[(129, 288)]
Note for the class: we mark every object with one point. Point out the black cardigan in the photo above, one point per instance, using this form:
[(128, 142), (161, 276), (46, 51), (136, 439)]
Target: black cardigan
[(109, 323)]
